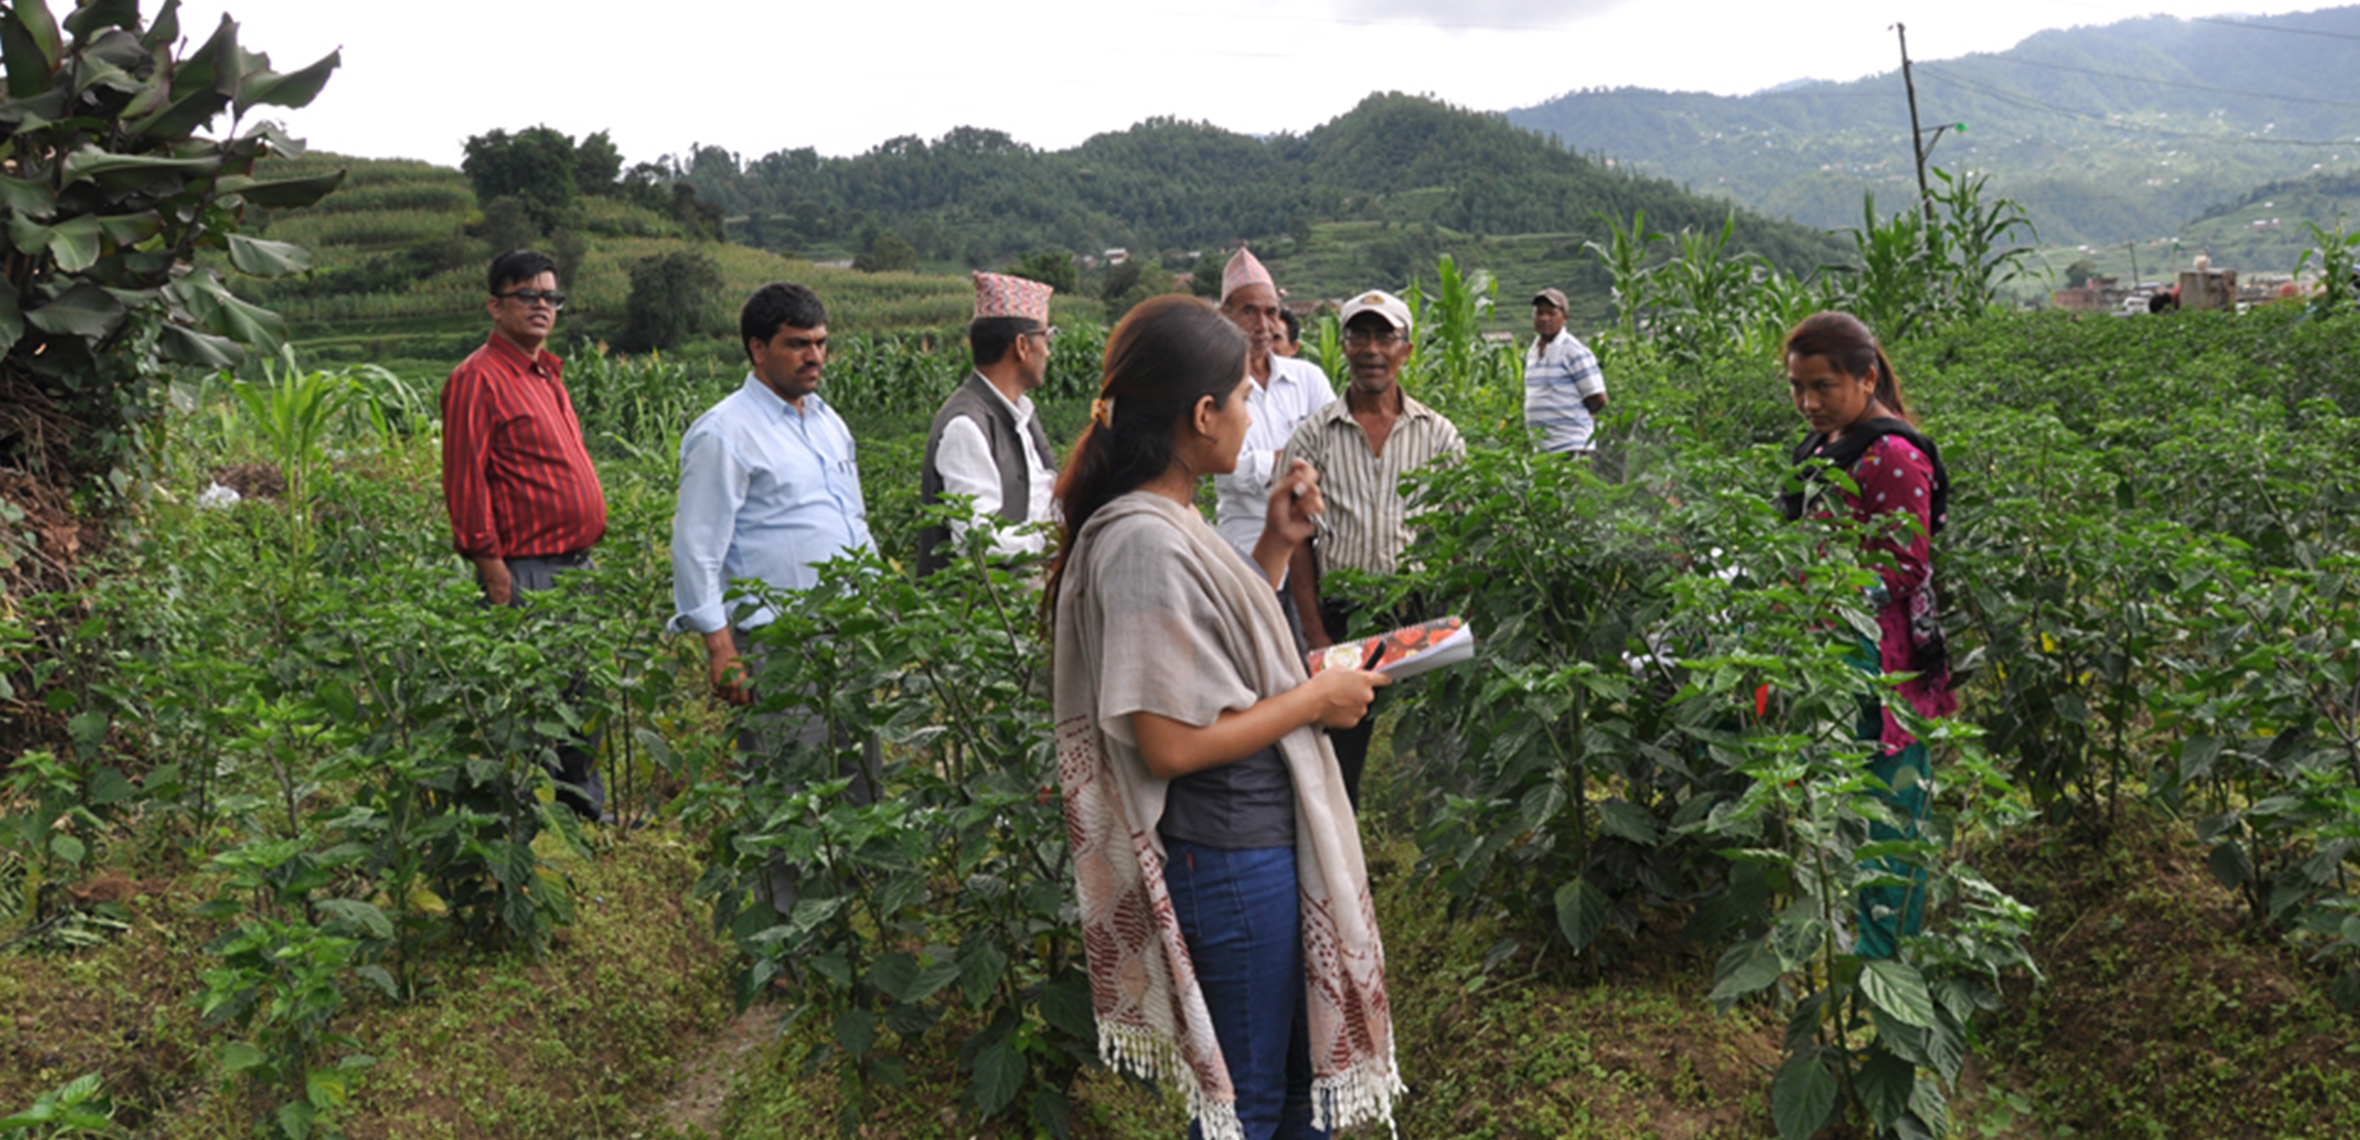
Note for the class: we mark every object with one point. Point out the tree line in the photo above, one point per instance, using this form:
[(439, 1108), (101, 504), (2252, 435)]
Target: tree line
[(979, 196)]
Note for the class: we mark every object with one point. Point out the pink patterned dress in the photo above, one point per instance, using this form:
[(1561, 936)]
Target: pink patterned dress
[(1897, 479)]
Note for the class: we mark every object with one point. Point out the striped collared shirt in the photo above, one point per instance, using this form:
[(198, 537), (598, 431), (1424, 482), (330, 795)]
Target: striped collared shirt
[(1368, 518), (516, 478), (1558, 375)]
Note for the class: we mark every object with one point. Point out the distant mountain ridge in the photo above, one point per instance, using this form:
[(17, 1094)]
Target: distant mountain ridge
[(1435, 176), (2108, 134)]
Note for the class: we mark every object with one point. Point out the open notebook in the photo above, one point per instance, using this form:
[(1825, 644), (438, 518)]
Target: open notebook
[(1405, 652)]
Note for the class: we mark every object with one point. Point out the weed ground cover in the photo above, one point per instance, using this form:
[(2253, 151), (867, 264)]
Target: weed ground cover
[(2161, 1014)]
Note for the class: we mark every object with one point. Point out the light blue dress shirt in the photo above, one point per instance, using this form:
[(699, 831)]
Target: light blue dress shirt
[(765, 493)]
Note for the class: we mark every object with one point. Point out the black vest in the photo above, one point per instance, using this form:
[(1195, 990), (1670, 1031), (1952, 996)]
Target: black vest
[(1847, 451), (976, 400)]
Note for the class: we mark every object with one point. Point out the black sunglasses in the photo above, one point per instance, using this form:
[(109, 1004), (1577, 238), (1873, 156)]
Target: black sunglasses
[(531, 297)]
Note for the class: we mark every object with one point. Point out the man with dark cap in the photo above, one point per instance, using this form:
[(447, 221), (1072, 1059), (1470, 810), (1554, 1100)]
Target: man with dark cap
[(987, 442), (1563, 389)]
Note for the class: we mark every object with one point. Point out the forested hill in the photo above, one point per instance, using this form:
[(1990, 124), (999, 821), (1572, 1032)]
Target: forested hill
[(2107, 133), (979, 197)]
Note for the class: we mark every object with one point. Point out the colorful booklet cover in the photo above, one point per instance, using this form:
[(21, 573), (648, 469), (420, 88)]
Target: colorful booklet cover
[(1405, 652)]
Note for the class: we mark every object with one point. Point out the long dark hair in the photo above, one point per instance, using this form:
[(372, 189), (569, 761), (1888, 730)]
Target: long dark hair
[(1169, 353), (1842, 341)]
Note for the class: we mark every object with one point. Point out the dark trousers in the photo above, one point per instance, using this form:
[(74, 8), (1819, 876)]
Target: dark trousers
[(1351, 744), (576, 773), (764, 739), (1239, 913)]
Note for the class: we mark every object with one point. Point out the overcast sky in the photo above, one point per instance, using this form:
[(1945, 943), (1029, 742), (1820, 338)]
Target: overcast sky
[(843, 75)]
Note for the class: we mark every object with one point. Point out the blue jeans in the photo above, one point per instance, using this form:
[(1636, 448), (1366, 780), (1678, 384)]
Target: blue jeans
[(1238, 911)]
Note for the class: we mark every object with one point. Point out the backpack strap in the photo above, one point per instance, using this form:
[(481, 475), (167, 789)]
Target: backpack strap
[(1846, 452)]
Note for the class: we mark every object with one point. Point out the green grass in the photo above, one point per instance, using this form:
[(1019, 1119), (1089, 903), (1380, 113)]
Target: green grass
[(391, 215), (121, 1009), (365, 230), (499, 1045), (398, 208)]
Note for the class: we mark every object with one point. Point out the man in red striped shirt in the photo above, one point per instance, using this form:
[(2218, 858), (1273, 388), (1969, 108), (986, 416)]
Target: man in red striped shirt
[(516, 477), (524, 499)]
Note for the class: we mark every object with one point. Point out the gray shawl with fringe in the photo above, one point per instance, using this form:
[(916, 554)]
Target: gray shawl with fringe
[(1157, 613)]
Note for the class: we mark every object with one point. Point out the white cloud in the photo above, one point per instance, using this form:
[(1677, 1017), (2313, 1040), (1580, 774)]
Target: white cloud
[(1476, 15), (754, 78)]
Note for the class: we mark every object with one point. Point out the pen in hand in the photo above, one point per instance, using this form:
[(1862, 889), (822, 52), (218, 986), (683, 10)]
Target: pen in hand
[(1319, 523)]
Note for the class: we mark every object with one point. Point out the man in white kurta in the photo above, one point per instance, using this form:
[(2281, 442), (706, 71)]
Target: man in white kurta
[(1285, 393)]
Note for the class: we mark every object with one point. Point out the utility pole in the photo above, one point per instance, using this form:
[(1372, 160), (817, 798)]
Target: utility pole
[(1917, 134), (2134, 248)]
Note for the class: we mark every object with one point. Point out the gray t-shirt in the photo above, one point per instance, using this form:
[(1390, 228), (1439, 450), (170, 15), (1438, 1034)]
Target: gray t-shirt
[(1234, 807)]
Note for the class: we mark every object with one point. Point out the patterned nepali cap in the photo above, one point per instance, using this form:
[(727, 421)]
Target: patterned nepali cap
[(1244, 269), (998, 295)]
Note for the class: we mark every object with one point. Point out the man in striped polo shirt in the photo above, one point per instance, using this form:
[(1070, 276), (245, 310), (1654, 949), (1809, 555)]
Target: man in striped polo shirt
[(523, 497), (1361, 446), (1563, 389)]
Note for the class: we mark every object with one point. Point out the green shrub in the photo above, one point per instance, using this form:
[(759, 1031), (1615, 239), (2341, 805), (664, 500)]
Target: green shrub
[(673, 298), (947, 896)]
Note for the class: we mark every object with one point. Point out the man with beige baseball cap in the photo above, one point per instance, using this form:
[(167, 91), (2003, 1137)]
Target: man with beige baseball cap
[(1362, 445)]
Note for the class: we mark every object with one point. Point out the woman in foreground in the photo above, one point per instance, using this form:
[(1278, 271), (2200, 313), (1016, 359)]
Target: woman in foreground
[(1225, 907), (1845, 389)]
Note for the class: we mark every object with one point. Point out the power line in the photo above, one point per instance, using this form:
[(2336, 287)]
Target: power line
[(2272, 28), (2029, 103), (2171, 83)]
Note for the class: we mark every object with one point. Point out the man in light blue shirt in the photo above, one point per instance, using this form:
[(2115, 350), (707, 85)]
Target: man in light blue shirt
[(768, 482)]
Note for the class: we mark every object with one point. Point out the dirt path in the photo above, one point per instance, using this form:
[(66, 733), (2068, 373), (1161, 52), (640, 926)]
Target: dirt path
[(694, 1108)]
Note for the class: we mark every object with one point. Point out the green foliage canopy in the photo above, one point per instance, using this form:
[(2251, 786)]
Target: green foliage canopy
[(980, 196), (672, 299), (535, 166), (1050, 267)]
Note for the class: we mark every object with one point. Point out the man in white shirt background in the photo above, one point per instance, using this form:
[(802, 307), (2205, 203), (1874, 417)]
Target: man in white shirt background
[(987, 441), (1286, 391), (1563, 389)]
